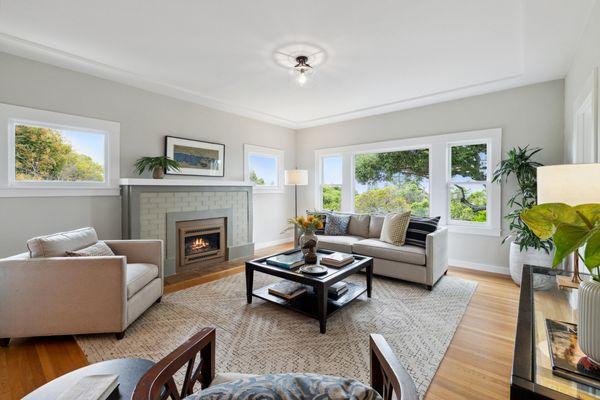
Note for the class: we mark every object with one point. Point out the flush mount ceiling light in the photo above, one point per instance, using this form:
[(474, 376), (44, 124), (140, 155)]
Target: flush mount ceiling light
[(300, 61)]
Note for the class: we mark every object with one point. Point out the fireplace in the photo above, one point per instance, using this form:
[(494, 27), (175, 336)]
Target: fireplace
[(201, 242)]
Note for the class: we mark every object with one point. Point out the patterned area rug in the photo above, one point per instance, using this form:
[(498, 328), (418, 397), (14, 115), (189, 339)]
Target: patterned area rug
[(265, 338)]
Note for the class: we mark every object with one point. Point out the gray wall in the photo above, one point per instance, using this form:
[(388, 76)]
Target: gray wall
[(145, 119), (530, 115), (586, 58)]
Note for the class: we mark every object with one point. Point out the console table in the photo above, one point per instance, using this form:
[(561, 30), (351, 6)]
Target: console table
[(532, 376)]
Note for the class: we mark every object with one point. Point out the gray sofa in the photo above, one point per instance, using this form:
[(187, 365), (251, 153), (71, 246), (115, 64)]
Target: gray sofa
[(411, 263)]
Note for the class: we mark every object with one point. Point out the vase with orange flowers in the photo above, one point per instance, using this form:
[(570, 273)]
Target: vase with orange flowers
[(307, 225)]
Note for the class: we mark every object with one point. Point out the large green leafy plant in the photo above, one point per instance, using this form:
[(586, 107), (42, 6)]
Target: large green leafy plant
[(519, 164), (571, 228)]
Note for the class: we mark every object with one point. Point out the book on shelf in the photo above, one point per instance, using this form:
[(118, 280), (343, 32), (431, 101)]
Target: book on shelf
[(288, 261), (567, 359), (337, 259), (287, 290), (337, 290), (91, 387)]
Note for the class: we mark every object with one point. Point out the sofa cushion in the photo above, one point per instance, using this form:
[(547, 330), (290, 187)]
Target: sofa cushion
[(359, 225), (375, 225), (57, 244), (337, 224), (98, 249), (138, 276), (338, 243), (394, 228), (378, 249), (419, 228)]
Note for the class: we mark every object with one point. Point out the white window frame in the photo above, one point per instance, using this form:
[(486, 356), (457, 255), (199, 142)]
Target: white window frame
[(10, 116), (319, 199), (439, 161), (458, 225), (250, 150)]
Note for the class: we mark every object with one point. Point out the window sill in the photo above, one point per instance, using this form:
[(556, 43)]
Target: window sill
[(57, 192), (267, 191), (474, 230)]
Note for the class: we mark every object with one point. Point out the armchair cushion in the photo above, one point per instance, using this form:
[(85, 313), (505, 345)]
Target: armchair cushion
[(288, 387), (138, 275), (57, 244)]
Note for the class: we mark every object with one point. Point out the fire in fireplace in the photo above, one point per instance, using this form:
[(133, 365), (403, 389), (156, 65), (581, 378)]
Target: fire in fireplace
[(201, 242)]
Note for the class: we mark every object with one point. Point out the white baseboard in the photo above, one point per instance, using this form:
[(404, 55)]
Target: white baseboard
[(496, 269), (262, 245)]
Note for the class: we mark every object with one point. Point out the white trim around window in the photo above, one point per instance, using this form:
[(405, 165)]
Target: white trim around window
[(267, 152), (439, 174), (11, 115)]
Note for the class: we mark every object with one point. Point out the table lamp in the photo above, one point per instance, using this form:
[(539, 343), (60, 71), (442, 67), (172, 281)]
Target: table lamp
[(296, 177), (572, 184)]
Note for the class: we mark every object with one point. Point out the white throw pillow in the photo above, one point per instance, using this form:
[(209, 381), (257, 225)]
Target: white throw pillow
[(99, 249), (394, 228)]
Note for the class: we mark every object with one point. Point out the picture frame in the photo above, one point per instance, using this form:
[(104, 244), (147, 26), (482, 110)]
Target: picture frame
[(197, 157)]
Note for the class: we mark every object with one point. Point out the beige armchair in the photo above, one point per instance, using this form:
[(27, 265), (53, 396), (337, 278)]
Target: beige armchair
[(44, 296)]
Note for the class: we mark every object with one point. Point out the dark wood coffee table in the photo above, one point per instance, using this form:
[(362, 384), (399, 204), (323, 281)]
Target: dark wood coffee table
[(316, 304)]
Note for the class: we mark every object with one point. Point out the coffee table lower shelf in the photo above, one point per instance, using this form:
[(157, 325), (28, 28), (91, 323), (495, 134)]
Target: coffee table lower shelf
[(307, 304)]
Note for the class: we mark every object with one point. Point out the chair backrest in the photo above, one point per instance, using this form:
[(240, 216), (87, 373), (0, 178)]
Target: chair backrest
[(159, 383), (388, 376)]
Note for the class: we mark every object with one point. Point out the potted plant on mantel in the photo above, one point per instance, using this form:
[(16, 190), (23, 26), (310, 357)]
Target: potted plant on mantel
[(158, 165), (525, 247), (573, 228)]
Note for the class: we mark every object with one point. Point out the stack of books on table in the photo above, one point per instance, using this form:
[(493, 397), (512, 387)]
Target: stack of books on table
[(337, 259), (287, 290), (337, 290), (287, 261)]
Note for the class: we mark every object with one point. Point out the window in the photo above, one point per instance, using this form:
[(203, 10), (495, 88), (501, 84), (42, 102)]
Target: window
[(392, 182), (53, 154), (468, 183), (443, 175), (264, 168), (331, 187)]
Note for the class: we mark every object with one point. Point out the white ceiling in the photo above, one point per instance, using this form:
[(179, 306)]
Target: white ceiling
[(382, 55)]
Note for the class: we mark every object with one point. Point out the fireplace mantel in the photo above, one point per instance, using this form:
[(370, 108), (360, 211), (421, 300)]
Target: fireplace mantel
[(149, 205), (180, 182)]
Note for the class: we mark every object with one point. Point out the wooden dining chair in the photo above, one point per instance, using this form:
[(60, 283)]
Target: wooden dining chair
[(197, 355)]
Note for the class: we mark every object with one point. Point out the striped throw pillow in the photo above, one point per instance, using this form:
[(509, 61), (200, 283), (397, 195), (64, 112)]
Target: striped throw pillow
[(419, 228)]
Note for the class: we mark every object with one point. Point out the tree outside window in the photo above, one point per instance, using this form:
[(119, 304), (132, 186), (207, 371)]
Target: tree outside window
[(46, 154)]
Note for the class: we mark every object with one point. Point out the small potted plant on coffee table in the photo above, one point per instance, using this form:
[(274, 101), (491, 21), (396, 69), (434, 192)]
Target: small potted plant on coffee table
[(308, 240)]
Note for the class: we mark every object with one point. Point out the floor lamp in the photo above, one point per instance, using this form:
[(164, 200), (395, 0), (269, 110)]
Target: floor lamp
[(572, 184), (296, 177)]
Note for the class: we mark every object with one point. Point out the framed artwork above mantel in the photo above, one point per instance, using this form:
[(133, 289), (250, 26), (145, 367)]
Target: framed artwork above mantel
[(196, 157)]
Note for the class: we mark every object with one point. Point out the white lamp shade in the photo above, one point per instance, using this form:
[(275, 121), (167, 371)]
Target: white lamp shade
[(572, 184), (296, 177)]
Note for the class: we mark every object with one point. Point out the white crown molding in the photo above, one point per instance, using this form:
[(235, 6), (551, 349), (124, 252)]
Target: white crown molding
[(38, 52)]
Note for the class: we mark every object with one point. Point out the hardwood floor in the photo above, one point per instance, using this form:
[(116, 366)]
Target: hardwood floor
[(477, 364)]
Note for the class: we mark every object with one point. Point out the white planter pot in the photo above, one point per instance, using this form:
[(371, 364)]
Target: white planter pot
[(530, 256), (588, 329)]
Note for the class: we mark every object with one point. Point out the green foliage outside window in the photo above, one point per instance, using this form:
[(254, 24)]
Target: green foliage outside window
[(332, 198), (468, 205), (42, 154), (254, 178)]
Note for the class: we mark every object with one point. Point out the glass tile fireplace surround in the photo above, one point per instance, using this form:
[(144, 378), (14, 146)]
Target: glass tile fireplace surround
[(201, 242)]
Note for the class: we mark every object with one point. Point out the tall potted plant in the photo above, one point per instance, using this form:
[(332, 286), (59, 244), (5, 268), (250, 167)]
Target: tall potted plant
[(525, 247)]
